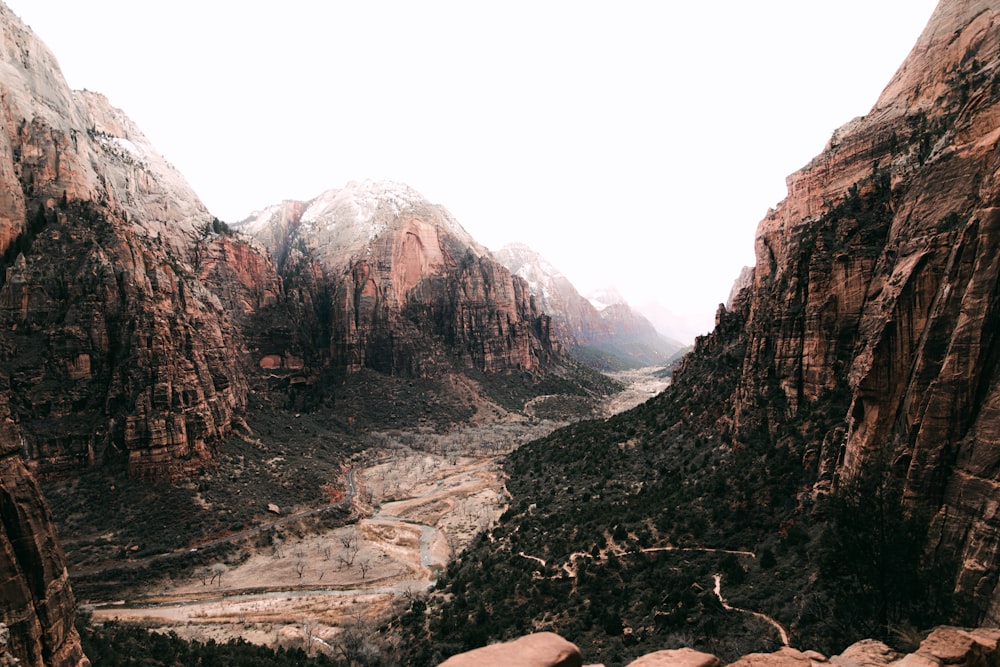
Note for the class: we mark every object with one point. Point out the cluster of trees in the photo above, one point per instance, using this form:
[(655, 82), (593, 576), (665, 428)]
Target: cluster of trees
[(121, 645)]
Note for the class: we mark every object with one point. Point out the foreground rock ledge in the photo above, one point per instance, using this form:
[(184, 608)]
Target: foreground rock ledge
[(954, 647), (545, 649)]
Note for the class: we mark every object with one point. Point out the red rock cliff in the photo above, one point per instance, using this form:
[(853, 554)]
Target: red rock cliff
[(879, 274), (407, 290), (36, 604), (121, 299)]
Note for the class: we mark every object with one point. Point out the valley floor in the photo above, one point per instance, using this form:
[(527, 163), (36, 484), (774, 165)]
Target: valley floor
[(419, 502)]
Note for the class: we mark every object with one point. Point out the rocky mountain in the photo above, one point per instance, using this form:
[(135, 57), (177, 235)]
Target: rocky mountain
[(406, 289), (607, 335), (117, 319), (135, 324), (118, 339), (878, 276), (830, 449), (742, 282), (135, 327)]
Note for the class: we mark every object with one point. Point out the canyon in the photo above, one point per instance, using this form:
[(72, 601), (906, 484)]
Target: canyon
[(855, 369), (829, 450), (603, 330), (139, 331)]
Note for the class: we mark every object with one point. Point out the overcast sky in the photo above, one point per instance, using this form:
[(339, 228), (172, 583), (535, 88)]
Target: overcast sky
[(631, 143)]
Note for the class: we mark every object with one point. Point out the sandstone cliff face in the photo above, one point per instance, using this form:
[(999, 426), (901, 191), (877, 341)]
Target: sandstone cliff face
[(879, 275), (119, 304), (36, 603), (400, 287), (574, 319)]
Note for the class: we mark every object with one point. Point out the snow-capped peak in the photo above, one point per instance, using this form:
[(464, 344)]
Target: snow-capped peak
[(605, 296)]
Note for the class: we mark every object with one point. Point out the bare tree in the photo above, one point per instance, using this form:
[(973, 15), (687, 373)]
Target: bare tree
[(277, 547), (351, 547), (354, 644), (308, 629), (364, 565), (217, 570), (300, 567)]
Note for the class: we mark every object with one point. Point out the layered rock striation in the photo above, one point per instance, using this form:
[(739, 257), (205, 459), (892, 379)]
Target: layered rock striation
[(36, 605), (121, 298), (400, 287), (877, 280)]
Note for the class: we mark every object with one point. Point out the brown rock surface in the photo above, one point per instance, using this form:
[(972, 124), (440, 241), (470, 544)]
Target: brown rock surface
[(544, 649), (119, 305), (409, 292), (785, 657), (36, 603), (867, 653), (877, 279), (958, 646), (679, 657), (611, 327)]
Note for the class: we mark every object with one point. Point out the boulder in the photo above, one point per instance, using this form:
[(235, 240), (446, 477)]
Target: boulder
[(544, 649), (866, 653), (957, 646), (679, 657), (785, 657)]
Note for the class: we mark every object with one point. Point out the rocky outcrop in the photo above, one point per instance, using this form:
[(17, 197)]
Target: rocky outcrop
[(742, 282), (976, 647), (575, 320), (607, 335), (121, 298), (877, 279), (36, 604), (958, 647), (543, 649), (400, 287), (678, 657), (115, 350)]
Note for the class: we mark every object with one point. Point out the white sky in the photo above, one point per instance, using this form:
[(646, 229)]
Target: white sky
[(631, 143)]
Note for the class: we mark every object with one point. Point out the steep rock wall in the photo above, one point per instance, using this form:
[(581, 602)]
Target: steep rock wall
[(122, 305), (396, 285), (36, 602), (419, 281), (879, 274)]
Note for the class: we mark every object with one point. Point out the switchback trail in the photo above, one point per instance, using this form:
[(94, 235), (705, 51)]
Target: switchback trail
[(764, 617)]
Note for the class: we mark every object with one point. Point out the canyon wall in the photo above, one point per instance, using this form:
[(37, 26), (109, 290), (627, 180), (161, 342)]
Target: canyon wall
[(36, 603), (400, 287), (878, 276)]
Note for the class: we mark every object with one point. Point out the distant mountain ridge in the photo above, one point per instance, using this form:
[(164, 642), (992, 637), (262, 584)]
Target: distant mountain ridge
[(406, 286), (602, 330)]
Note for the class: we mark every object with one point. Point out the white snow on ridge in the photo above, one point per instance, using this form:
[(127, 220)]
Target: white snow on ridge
[(128, 147), (258, 220), (604, 297), (369, 205)]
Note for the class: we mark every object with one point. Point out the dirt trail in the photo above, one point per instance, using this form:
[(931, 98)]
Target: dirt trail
[(764, 617)]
